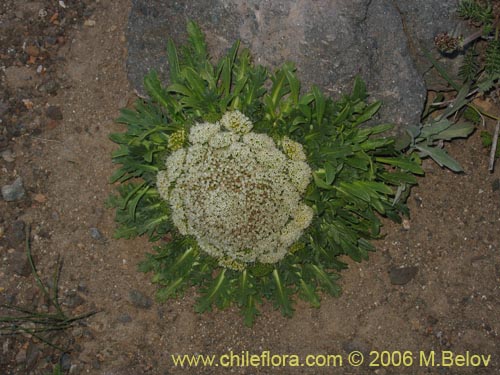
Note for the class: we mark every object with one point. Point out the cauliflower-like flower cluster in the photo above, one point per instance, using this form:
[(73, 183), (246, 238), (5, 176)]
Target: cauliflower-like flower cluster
[(237, 193)]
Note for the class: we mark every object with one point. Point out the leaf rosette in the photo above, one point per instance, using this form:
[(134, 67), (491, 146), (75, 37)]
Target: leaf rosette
[(251, 189)]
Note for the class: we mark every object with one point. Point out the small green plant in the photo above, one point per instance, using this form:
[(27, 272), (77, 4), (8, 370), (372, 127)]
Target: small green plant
[(252, 189), (480, 71), (35, 323)]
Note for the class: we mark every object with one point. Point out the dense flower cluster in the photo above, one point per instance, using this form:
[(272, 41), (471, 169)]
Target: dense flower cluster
[(237, 193)]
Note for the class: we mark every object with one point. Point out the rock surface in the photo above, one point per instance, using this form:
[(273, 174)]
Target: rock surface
[(330, 41)]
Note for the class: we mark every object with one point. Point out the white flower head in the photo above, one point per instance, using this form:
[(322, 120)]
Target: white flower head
[(300, 174), (293, 150), (201, 133), (236, 122), (236, 193)]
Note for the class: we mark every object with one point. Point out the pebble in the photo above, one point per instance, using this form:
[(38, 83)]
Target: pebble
[(21, 356), (402, 275), (356, 345), (19, 264), (65, 361), (13, 192), (17, 233), (54, 112), (96, 234), (124, 318), (496, 184), (140, 300), (8, 156), (49, 87), (73, 299), (32, 355), (3, 107), (40, 198), (89, 23), (33, 51)]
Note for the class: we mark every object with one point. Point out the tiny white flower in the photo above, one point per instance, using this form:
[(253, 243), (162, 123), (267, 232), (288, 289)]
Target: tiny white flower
[(293, 150), (236, 122), (201, 133)]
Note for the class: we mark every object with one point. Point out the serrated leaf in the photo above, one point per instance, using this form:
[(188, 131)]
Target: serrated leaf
[(308, 294), (441, 157), (250, 311), (215, 293), (325, 280)]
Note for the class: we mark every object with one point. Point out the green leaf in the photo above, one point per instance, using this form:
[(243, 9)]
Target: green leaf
[(308, 294), (319, 104), (368, 113), (217, 292), (197, 40), (402, 162), (331, 172), (460, 130), (173, 61), (441, 157), (171, 290), (282, 294), (359, 89), (325, 280), (320, 182), (249, 311)]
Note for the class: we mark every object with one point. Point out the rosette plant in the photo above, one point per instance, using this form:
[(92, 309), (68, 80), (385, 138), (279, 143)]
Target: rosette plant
[(251, 189)]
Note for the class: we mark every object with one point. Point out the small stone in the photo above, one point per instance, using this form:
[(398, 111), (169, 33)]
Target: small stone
[(406, 224), (18, 264), (402, 275), (356, 345), (496, 184), (74, 369), (140, 300), (32, 355), (49, 87), (21, 356), (51, 40), (13, 192), (89, 23), (3, 107), (65, 362), (28, 103), (73, 299), (53, 112), (96, 234), (18, 77), (8, 156), (124, 318), (33, 51), (17, 233), (40, 198)]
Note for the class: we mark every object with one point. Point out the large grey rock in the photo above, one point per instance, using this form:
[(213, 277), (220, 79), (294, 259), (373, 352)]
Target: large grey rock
[(331, 41)]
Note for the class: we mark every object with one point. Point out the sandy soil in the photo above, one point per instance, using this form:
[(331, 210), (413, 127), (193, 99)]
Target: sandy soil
[(449, 248)]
